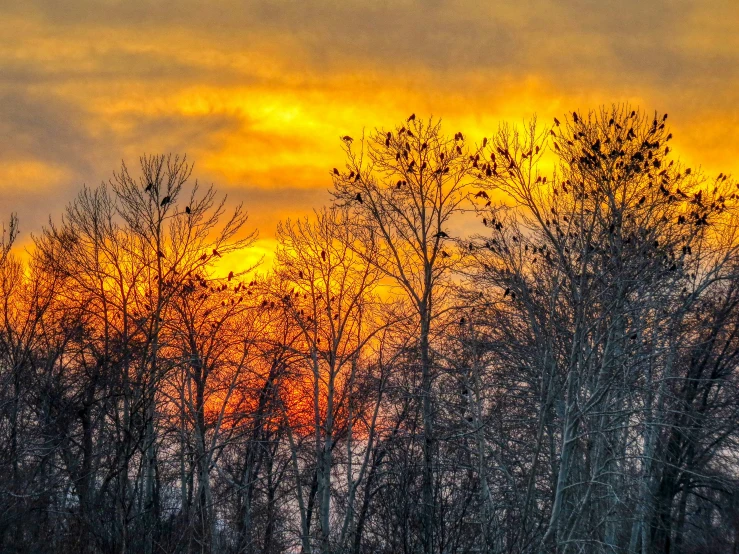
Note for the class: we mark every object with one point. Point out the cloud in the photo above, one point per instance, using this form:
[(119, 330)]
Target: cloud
[(43, 127), (257, 92)]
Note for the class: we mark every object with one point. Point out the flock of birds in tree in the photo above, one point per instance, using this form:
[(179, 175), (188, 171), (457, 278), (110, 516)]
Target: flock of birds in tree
[(593, 153), (612, 151)]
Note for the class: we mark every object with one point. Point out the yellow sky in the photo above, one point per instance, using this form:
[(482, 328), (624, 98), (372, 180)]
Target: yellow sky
[(258, 93)]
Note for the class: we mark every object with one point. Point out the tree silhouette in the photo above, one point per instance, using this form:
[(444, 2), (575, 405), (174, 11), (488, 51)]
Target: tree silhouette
[(562, 380)]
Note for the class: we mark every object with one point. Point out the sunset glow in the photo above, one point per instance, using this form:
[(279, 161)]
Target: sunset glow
[(369, 277), (258, 94)]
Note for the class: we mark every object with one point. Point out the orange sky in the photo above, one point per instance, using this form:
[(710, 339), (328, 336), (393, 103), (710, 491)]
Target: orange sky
[(258, 93)]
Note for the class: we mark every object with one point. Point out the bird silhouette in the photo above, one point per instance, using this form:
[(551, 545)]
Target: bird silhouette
[(188, 210), (358, 198), (336, 172), (412, 117), (441, 235), (148, 187), (165, 201), (216, 253), (230, 275), (482, 194), (347, 138), (556, 122), (323, 255)]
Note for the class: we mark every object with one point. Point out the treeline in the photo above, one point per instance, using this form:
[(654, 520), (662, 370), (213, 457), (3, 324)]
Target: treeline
[(564, 381)]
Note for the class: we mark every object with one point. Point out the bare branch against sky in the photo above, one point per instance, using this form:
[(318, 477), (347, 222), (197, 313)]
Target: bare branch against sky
[(369, 277)]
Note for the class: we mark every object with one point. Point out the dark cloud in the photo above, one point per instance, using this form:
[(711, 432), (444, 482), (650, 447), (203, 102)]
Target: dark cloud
[(162, 132), (49, 132), (645, 37), (44, 127), (62, 63)]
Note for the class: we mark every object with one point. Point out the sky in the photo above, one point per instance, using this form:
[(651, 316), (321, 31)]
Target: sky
[(258, 93)]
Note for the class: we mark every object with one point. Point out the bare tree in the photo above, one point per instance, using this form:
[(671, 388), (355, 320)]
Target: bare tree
[(404, 187), (565, 380), (331, 301), (591, 260)]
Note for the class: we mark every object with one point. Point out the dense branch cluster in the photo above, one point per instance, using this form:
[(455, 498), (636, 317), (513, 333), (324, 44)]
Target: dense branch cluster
[(564, 380)]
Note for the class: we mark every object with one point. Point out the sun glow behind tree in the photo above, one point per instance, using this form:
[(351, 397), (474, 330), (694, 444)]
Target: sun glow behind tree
[(562, 376)]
